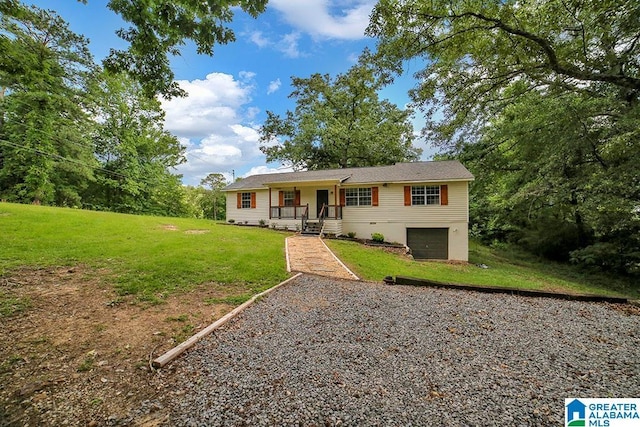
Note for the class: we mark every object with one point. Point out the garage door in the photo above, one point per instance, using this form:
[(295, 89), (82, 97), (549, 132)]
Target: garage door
[(428, 243)]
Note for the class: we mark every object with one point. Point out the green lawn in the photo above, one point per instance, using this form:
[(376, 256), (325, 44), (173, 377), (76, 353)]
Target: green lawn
[(141, 255), (510, 268), (151, 257)]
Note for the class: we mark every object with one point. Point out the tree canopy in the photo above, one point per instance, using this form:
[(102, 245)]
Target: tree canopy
[(73, 135), (480, 56), (44, 73), (540, 100), (158, 29), (339, 122)]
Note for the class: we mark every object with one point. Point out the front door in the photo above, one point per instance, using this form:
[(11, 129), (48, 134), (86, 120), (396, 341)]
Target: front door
[(322, 198)]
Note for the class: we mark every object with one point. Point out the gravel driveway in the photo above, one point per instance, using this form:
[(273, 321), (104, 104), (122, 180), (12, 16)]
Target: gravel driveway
[(327, 352)]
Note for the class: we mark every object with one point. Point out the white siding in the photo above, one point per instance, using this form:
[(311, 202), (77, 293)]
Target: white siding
[(392, 218), (251, 216), (332, 226)]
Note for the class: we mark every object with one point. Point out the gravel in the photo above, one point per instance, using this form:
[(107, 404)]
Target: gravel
[(328, 352)]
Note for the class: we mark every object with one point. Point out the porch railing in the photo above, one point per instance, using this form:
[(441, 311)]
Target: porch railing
[(305, 217), (288, 212), (332, 211), (321, 215), (296, 212)]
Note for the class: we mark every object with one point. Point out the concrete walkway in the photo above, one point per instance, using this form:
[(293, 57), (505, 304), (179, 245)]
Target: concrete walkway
[(309, 254)]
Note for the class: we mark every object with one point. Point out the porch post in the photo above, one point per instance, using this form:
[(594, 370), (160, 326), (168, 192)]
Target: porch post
[(335, 199), (269, 202), (295, 208)]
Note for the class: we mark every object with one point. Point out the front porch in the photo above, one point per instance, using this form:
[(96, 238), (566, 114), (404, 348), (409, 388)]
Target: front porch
[(328, 220), (310, 209)]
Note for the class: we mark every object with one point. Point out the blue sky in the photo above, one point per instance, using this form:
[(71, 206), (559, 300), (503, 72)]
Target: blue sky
[(230, 92)]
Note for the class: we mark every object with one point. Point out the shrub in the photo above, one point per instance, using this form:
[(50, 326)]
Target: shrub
[(262, 223), (231, 221), (351, 234), (377, 237)]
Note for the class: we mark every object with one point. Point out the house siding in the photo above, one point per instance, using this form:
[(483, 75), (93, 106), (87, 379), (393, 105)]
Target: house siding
[(250, 216), (391, 217)]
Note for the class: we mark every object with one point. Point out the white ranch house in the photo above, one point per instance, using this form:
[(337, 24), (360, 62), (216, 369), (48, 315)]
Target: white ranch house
[(423, 205)]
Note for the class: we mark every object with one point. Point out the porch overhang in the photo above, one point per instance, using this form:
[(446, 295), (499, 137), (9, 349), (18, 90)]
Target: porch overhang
[(302, 183)]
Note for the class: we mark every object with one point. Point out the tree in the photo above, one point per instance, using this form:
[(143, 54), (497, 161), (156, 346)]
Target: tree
[(339, 123), (475, 50), (158, 29), (135, 153), (540, 100), (216, 182), (44, 70)]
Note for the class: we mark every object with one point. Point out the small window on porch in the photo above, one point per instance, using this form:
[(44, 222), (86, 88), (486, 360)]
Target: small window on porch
[(289, 197)]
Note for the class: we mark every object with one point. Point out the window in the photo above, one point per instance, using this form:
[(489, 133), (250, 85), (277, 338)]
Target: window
[(425, 195), (288, 197), (246, 201), (358, 197)]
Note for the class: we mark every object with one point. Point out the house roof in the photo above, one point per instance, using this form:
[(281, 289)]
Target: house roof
[(435, 171)]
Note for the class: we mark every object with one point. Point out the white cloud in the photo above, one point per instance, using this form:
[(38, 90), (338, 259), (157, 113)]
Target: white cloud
[(258, 39), (247, 76), (252, 112), (274, 86), (288, 45), (259, 170), (327, 18), (211, 104), (214, 124)]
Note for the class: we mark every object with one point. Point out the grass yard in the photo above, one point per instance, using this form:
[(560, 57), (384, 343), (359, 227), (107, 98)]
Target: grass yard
[(88, 299), (145, 256), (510, 268)]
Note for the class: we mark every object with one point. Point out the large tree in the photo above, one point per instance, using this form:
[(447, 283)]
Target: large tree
[(136, 154), (540, 99), (158, 29), (44, 68), (214, 204), (339, 122)]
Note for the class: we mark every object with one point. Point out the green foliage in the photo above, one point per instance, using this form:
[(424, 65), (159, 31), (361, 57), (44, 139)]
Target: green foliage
[(508, 267), (541, 102), (351, 234), (158, 28), (73, 136), (339, 122), (135, 153), (143, 256), (377, 237), (216, 201), (44, 69)]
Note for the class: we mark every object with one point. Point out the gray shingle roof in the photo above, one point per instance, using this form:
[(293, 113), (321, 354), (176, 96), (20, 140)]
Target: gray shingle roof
[(437, 171)]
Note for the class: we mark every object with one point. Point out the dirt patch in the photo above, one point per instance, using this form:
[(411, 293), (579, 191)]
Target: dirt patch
[(197, 231), (77, 354), (169, 227)]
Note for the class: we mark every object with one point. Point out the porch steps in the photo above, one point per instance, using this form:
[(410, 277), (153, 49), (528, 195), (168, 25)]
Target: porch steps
[(313, 228)]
